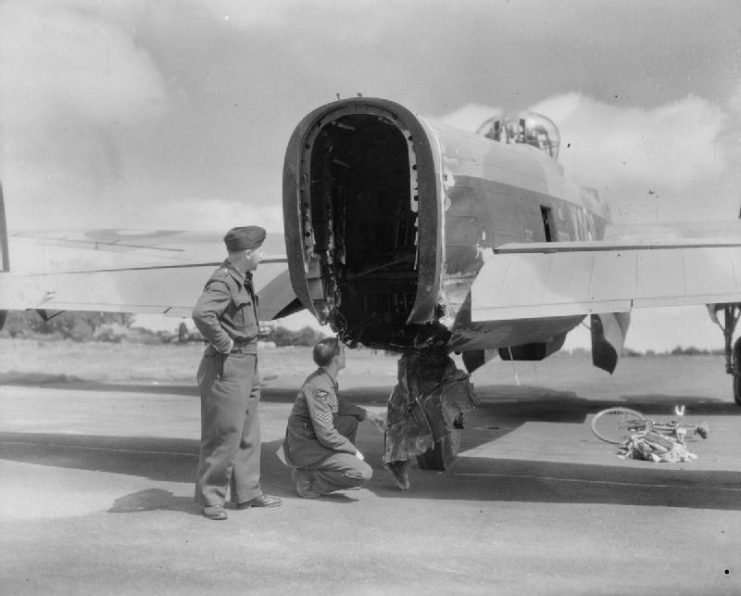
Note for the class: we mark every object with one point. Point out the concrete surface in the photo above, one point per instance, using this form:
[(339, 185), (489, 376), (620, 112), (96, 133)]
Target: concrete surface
[(97, 482)]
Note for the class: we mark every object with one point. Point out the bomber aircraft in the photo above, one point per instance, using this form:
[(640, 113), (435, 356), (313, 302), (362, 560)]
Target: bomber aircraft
[(407, 235)]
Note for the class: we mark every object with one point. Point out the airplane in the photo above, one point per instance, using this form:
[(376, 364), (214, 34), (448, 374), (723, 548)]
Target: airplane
[(407, 235)]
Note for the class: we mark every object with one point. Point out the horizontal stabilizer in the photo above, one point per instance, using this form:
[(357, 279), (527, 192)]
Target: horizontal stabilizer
[(579, 278), (168, 290)]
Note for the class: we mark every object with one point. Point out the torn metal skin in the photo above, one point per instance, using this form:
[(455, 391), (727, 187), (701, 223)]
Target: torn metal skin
[(429, 401)]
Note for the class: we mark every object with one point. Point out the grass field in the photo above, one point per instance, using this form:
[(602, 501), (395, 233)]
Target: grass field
[(34, 362)]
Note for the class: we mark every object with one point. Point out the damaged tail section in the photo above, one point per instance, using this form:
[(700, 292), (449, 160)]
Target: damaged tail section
[(362, 221)]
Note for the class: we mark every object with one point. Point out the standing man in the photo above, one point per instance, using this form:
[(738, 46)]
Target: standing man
[(226, 316), (321, 430)]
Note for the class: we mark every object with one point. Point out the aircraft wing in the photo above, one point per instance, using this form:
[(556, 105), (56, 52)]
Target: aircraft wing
[(156, 272), (168, 290), (49, 251), (533, 280)]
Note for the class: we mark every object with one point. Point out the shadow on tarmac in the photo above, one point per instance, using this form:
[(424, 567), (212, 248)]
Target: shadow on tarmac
[(530, 402), (376, 396), (54, 381), (557, 482), (540, 404), (154, 499), (477, 479)]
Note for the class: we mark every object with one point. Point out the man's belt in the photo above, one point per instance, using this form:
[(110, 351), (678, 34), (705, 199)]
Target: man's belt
[(243, 347)]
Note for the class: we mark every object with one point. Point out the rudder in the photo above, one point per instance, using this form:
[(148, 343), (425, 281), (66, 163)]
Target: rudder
[(5, 262)]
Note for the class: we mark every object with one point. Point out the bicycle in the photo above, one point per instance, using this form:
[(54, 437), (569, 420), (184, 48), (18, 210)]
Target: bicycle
[(618, 424)]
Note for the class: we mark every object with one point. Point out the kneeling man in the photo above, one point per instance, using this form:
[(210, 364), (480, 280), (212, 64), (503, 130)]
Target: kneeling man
[(321, 430)]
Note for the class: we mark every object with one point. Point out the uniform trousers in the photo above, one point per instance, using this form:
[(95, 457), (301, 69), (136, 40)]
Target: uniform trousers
[(340, 470), (230, 429)]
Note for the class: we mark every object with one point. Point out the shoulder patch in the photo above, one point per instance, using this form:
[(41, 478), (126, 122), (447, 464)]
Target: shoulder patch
[(321, 394)]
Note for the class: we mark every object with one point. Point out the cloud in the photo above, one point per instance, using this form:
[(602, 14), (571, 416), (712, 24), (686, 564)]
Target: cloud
[(676, 161), (199, 213), (671, 145), (668, 163), (256, 13), (735, 101), (74, 81), (310, 30), (470, 117), (59, 60), (253, 14)]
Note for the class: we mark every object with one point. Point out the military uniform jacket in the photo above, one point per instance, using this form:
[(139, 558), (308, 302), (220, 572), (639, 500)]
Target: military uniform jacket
[(311, 435), (227, 309)]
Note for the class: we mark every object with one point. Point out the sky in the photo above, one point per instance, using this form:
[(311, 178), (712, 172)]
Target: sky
[(176, 113)]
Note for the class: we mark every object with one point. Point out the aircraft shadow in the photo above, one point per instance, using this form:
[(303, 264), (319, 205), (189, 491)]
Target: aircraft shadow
[(376, 396), (158, 499), (154, 499), (56, 381), (541, 404), (471, 479), (536, 402), (510, 480), (155, 458)]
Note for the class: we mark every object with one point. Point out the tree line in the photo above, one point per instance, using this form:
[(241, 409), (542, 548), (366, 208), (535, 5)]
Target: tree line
[(77, 326), (119, 327)]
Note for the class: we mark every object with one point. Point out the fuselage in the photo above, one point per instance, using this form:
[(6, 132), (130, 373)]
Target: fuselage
[(388, 217)]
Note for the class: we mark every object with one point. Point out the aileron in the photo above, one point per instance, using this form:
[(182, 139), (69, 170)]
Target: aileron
[(573, 282), (172, 291)]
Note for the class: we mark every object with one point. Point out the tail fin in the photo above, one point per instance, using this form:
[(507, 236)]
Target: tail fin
[(5, 257)]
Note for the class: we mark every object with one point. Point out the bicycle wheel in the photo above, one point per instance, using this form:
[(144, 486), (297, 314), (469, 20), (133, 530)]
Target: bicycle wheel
[(615, 425)]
